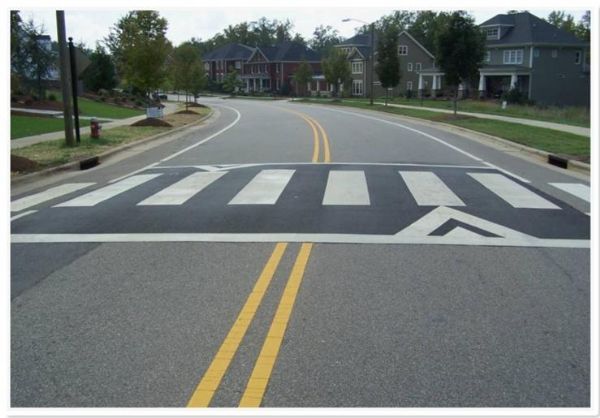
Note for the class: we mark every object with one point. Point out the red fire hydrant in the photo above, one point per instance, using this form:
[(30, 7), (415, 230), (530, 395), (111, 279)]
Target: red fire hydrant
[(95, 128)]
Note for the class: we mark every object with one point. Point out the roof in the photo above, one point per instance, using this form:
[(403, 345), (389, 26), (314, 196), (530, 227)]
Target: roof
[(231, 51), (289, 51), (360, 39), (526, 28)]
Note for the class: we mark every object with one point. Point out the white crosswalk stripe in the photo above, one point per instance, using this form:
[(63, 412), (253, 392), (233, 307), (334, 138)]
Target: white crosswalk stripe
[(346, 188), (51, 193), (576, 189), (513, 193), (429, 190), (107, 192), (183, 190), (264, 189)]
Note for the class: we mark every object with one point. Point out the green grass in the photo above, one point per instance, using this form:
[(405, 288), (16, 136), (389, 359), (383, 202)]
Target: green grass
[(577, 116), (548, 140), (88, 107), (21, 126), (52, 153)]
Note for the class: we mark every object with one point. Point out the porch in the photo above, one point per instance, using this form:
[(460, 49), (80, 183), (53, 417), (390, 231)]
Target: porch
[(497, 80)]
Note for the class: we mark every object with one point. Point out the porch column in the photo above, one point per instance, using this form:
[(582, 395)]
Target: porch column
[(420, 90), (434, 86), (247, 85), (513, 81), (481, 85), (461, 90)]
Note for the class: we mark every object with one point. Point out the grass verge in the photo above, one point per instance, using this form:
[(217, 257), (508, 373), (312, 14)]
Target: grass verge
[(52, 153), (22, 126), (549, 140)]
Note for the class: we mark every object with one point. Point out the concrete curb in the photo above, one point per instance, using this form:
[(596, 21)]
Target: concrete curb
[(572, 164), (106, 154)]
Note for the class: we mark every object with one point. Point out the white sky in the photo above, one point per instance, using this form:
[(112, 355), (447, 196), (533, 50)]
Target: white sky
[(91, 25)]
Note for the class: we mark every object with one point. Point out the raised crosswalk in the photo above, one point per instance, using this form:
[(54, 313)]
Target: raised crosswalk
[(335, 187)]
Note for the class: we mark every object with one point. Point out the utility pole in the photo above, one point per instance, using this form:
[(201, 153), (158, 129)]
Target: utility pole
[(65, 77), (74, 86), (372, 63)]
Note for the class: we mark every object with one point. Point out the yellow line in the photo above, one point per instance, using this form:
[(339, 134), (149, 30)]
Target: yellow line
[(212, 377), (326, 153), (315, 157), (255, 389)]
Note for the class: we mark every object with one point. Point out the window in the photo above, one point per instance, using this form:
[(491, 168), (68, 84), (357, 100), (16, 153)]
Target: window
[(409, 66), (487, 57), (418, 66), (536, 53), (207, 66), (357, 67), (409, 85), (277, 68), (577, 57), (402, 50), (357, 87), (554, 53), (513, 56), (238, 65), (492, 33)]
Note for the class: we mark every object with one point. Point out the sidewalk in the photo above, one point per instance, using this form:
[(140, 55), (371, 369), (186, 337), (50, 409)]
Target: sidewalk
[(577, 130), (51, 136)]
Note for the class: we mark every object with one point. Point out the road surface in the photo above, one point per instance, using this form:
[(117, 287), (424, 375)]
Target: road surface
[(295, 255)]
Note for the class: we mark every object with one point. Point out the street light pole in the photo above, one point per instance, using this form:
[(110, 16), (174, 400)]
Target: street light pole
[(65, 77)]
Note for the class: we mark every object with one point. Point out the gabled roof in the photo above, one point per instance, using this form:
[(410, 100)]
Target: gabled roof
[(360, 39), (363, 43), (231, 51), (288, 51), (525, 28)]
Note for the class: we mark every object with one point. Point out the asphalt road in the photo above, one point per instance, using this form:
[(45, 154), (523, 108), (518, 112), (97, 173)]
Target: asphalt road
[(293, 255)]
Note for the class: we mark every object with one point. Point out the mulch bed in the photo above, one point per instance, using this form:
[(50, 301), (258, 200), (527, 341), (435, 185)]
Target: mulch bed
[(38, 104), (192, 104), (35, 115), (152, 122), (186, 112), (22, 164)]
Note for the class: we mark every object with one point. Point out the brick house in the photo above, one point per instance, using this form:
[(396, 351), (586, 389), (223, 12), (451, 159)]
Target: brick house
[(262, 69)]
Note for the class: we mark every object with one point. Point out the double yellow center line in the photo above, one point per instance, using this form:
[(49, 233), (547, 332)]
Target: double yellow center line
[(259, 379)]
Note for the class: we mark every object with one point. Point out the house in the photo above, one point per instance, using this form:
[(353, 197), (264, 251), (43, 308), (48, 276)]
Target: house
[(271, 68), (262, 69), (547, 64), (417, 66), (218, 62)]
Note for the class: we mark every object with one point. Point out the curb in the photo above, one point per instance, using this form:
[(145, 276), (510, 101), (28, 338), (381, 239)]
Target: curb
[(108, 153), (572, 164)]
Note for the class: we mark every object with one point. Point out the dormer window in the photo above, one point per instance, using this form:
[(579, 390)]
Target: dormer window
[(492, 33)]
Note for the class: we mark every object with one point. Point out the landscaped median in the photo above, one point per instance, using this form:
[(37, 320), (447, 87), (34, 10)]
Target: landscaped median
[(571, 146), (50, 154)]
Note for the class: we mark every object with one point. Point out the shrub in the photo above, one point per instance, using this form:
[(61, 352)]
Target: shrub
[(514, 96), (52, 97), (409, 94)]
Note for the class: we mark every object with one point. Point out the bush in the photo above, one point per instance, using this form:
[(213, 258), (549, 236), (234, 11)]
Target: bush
[(409, 94), (138, 103), (52, 97), (514, 96)]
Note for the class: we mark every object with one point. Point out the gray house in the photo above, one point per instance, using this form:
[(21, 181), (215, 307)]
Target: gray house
[(548, 64), (414, 58)]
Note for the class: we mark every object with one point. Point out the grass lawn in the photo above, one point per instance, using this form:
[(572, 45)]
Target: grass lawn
[(578, 116), (52, 153), (21, 126), (88, 107), (540, 138)]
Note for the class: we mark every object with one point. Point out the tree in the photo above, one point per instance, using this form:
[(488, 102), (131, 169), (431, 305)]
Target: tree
[(582, 31), (140, 47), (336, 69), (426, 26), (303, 76), (100, 74), (400, 19), (324, 37), (232, 82), (186, 69), (459, 50), (388, 63)]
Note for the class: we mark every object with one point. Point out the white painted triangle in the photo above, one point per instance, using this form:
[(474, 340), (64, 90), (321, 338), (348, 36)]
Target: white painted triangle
[(439, 216), (462, 233)]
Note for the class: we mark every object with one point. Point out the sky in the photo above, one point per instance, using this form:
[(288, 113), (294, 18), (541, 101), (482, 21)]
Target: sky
[(89, 26)]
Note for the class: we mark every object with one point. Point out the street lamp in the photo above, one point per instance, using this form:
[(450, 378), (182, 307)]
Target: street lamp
[(372, 30)]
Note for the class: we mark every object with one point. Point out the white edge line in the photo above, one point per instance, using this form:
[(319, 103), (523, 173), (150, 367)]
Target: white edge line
[(441, 141), (321, 238), (20, 215), (237, 119)]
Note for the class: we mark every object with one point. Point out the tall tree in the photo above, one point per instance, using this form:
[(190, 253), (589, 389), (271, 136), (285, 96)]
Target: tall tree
[(336, 69), (388, 62), (100, 74), (184, 68), (426, 26), (400, 19), (459, 50), (303, 76), (140, 47), (324, 37), (36, 58), (232, 82), (563, 21)]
